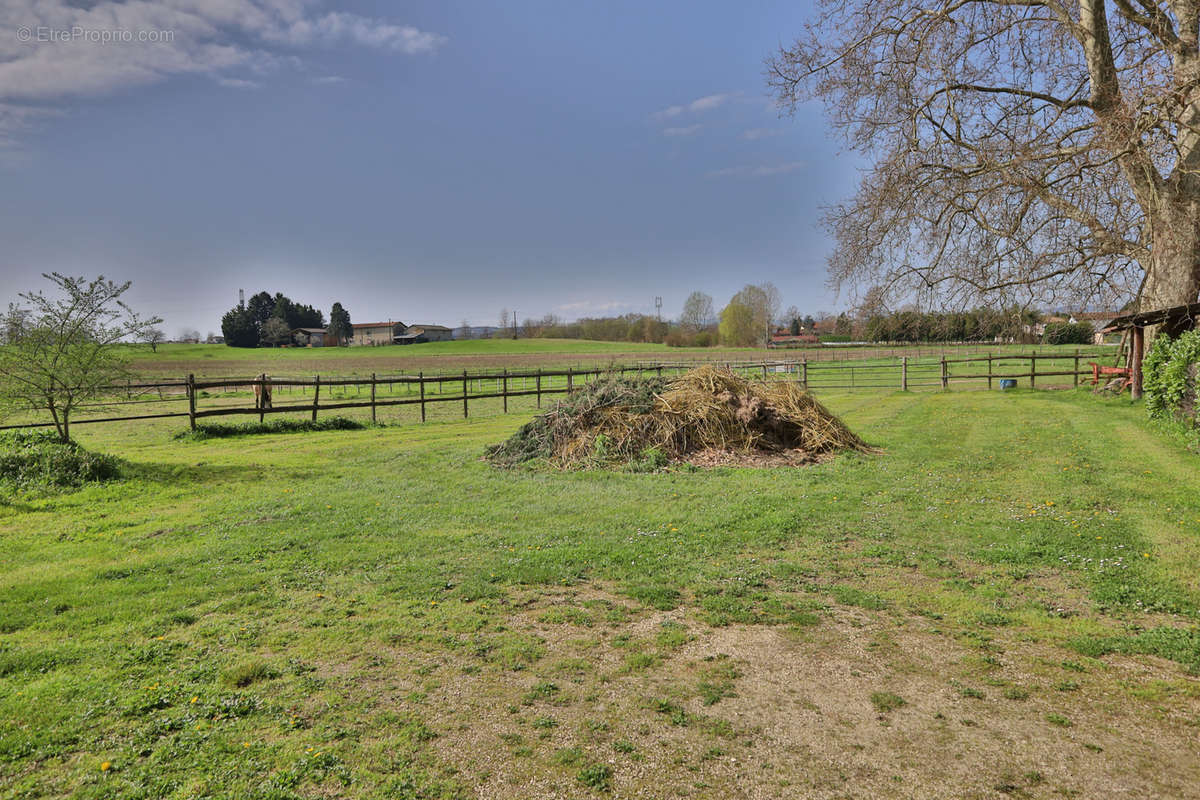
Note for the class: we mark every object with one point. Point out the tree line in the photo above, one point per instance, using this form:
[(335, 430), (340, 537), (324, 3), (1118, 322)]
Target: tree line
[(749, 319), (268, 320)]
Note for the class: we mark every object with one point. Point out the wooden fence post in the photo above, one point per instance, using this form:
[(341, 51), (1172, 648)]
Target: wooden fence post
[(989, 371), (904, 373), (191, 393), (570, 382), (1075, 376), (505, 390), (258, 399), (804, 373), (372, 397), (421, 383), (1033, 370), (945, 375), (465, 384), (316, 395), (538, 387)]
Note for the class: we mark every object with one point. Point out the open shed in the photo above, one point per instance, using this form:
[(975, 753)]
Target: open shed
[(1174, 321)]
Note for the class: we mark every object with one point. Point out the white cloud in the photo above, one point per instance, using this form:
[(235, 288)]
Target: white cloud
[(52, 50), (339, 26), (754, 134), (700, 104), (238, 83), (759, 171), (328, 80), (686, 130)]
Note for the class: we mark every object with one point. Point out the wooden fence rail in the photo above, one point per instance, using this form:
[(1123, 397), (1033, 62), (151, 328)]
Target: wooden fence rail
[(421, 390)]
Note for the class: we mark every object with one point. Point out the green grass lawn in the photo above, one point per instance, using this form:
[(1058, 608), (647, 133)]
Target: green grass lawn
[(176, 360), (1003, 602)]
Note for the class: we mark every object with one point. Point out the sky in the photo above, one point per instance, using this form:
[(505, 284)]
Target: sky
[(419, 161)]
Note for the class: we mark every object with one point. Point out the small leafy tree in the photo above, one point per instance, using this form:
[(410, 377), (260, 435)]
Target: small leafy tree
[(738, 325), (68, 350)]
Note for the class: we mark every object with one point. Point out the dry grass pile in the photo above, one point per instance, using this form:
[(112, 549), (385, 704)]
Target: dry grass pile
[(651, 421)]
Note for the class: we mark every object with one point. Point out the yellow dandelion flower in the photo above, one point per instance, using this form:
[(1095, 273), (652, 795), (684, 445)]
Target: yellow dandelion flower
[(105, 766), (194, 698)]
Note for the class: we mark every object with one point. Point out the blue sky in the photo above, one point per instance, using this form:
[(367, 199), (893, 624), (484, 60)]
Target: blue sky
[(426, 161)]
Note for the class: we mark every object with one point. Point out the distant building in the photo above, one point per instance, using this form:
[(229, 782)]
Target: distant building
[(786, 339), (431, 333), (377, 333), (309, 337)]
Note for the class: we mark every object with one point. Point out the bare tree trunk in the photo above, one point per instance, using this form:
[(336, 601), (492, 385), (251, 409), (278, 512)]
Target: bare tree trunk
[(1173, 276)]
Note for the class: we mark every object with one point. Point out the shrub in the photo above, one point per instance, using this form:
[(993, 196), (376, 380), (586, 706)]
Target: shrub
[(1068, 333), (35, 459), (203, 432), (1169, 376)]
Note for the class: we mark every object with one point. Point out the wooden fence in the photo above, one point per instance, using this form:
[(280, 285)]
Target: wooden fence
[(376, 392)]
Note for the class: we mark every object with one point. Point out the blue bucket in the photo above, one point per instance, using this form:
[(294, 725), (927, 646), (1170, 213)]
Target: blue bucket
[(1008, 383)]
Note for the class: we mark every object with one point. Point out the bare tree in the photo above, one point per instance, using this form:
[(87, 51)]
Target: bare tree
[(275, 332), (154, 337), (697, 312), (68, 351), (1024, 150)]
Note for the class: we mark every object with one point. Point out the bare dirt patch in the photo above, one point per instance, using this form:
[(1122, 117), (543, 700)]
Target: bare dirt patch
[(627, 702)]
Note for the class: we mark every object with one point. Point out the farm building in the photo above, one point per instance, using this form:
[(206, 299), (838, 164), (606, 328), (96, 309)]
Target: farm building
[(309, 337), (377, 333), (432, 333)]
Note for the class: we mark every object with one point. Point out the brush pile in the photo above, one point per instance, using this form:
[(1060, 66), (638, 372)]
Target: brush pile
[(708, 415)]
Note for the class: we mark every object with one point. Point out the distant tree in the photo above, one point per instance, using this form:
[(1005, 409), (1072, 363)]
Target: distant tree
[(189, 335), (261, 307), (503, 329), (809, 323), (239, 328), (68, 353), (275, 332), (763, 302), (794, 329), (154, 337), (697, 312), (842, 327), (15, 322), (738, 326), (340, 329)]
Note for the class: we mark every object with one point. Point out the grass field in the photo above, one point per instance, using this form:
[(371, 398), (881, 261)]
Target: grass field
[(1002, 603), (177, 360)]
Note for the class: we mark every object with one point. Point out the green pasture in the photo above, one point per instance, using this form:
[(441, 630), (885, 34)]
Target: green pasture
[(204, 360), (333, 614)]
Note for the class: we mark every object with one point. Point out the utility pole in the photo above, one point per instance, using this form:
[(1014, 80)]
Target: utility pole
[(514, 323)]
